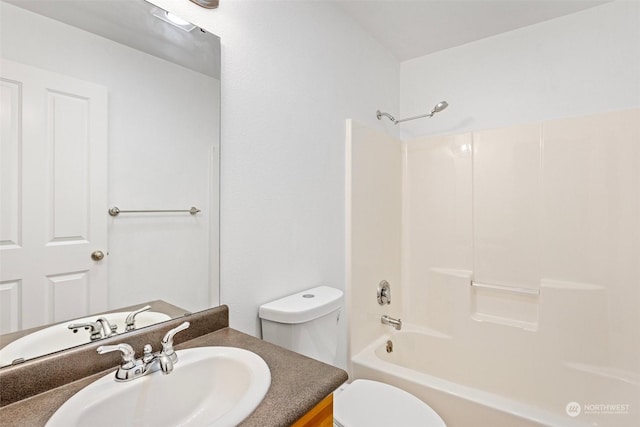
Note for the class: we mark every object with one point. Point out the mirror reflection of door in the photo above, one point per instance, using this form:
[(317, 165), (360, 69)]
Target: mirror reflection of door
[(53, 195)]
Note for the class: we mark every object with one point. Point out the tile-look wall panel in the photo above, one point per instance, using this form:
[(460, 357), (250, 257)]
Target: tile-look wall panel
[(374, 184), (438, 200), (591, 218), (506, 200), (437, 224)]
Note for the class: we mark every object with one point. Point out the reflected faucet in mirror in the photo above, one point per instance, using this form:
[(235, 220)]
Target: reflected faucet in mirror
[(101, 328), (46, 340)]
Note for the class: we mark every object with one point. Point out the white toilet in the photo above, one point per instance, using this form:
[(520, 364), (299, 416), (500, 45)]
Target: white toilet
[(307, 323)]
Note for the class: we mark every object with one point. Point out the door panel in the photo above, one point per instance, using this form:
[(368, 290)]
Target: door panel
[(10, 147), (53, 187)]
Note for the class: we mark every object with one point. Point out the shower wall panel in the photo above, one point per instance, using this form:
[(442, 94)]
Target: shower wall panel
[(374, 192), (437, 226), (549, 215), (506, 204), (591, 230)]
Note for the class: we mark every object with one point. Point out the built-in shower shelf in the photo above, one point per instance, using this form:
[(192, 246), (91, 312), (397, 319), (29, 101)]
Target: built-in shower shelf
[(505, 305), (505, 288), (527, 326)]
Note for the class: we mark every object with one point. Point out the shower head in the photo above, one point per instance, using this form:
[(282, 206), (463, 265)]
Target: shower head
[(439, 107)]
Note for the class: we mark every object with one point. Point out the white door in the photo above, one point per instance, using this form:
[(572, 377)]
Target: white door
[(53, 197)]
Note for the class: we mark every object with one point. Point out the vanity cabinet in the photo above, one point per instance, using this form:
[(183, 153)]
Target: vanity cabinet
[(320, 415)]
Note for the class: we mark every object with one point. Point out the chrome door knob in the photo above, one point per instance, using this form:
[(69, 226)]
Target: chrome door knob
[(97, 255)]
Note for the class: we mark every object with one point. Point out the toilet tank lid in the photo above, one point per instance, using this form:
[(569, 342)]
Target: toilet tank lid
[(303, 306)]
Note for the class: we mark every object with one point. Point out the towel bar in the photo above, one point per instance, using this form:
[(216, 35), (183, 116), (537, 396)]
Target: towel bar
[(115, 211)]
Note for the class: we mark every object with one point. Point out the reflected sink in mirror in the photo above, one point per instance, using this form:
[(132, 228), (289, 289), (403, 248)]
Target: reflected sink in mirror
[(60, 337), (209, 386)]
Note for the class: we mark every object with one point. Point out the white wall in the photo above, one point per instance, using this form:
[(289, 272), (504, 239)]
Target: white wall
[(153, 162), (580, 64), (292, 72)]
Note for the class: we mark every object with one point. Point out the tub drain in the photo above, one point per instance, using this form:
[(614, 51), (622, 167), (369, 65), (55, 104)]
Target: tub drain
[(389, 346)]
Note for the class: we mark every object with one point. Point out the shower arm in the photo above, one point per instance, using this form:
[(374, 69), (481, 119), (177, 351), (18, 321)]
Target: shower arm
[(395, 121), (439, 107), (415, 117)]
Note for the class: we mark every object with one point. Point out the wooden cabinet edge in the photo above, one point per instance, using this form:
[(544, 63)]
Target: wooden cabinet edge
[(320, 415)]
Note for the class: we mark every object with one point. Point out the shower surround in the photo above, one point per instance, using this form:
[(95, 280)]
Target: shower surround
[(514, 260)]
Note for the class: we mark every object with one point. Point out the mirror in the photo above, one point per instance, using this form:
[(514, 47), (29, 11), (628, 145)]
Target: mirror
[(108, 104)]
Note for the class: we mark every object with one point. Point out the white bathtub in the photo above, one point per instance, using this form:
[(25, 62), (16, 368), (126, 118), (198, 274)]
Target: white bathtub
[(487, 388)]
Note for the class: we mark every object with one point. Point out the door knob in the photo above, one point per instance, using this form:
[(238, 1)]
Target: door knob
[(97, 255)]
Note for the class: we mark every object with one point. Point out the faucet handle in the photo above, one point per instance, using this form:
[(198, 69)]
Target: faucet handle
[(167, 341), (384, 293), (128, 355), (131, 318)]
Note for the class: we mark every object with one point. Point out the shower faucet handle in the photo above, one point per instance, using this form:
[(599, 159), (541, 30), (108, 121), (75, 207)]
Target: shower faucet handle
[(384, 293)]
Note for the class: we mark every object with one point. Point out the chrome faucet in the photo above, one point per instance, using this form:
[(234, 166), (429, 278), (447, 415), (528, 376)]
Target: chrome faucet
[(132, 368), (108, 329), (101, 328), (130, 321), (388, 320)]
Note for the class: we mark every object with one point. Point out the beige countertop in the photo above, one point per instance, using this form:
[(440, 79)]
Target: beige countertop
[(298, 383)]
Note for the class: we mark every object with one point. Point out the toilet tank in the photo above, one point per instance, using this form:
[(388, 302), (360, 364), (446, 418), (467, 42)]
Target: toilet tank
[(306, 322)]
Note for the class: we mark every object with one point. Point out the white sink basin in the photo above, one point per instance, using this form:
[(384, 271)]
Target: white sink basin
[(209, 386), (60, 337)]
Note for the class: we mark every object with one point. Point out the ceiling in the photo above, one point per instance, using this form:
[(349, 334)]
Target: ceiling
[(408, 28), (413, 28)]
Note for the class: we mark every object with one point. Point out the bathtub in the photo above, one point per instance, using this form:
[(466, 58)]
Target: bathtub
[(487, 388)]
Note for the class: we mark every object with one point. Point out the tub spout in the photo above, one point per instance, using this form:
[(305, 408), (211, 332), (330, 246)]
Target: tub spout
[(387, 320)]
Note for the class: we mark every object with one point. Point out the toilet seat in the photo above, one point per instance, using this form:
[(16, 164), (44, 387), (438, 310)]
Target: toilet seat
[(366, 403)]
